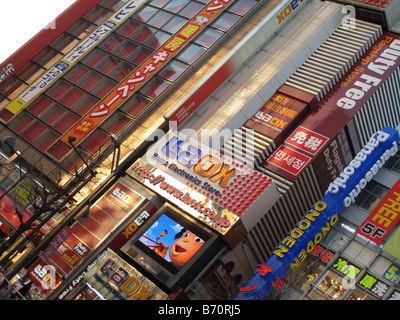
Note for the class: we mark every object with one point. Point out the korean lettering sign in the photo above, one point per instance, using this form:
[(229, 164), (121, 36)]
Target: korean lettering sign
[(383, 218), (288, 160), (138, 77)]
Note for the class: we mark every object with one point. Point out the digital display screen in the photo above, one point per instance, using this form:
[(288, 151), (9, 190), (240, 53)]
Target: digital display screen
[(171, 241)]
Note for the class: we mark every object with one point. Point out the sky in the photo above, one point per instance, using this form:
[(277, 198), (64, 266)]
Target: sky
[(34, 15)]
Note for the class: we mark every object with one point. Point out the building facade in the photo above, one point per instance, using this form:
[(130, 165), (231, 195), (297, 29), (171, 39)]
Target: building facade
[(88, 103)]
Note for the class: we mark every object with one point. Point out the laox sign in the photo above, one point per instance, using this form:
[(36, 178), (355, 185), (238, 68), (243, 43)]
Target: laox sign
[(191, 157)]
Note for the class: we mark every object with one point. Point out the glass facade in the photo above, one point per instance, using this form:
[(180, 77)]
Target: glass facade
[(57, 109)]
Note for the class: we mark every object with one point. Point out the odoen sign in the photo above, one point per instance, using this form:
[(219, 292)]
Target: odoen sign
[(311, 229)]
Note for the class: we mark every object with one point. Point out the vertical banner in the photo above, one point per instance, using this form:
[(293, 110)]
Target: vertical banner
[(138, 77), (383, 218)]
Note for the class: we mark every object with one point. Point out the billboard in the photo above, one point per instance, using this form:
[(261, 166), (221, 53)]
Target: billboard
[(318, 221), (383, 218), (321, 128), (186, 171), (115, 279), (280, 114)]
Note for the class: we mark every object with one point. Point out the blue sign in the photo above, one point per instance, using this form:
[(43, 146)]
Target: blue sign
[(317, 222)]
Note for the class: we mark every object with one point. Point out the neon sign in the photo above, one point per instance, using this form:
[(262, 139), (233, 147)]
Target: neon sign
[(310, 230)]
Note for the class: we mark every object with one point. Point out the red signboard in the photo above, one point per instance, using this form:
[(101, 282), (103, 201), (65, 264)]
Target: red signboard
[(281, 113), (343, 101), (287, 160), (307, 140), (383, 218)]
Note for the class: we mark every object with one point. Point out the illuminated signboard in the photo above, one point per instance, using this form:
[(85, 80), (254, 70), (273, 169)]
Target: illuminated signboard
[(73, 56), (280, 114), (188, 166), (318, 221), (191, 201), (374, 285), (141, 74), (115, 279), (383, 218)]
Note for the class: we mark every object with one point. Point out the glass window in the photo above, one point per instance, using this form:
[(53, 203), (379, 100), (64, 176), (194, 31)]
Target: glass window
[(191, 9), (154, 87), (393, 163), (175, 24), (359, 294), (64, 43), (191, 54), (310, 277), (33, 131), (92, 79), (122, 71), (209, 37), (59, 150), (58, 90), (53, 114), (72, 97), (113, 5), (173, 70), (85, 104), (140, 55), (96, 141), (116, 123), (21, 122), (371, 195), (125, 49), (135, 105), (108, 64), (159, 19), (40, 105), (77, 73), (66, 122), (157, 40), (175, 6), (111, 42), (226, 21), (142, 34), (30, 72), (104, 87), (158, 3), (94, 57), (6, 115), (46, 140), (98, 15), (81, 28), (47, 57), (329, 287), (242, 7), (12, 88), (145, 14), (128, 27)]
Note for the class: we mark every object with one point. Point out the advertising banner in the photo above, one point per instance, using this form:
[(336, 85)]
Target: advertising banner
[(318, 221), (141, 74), (383, 218), (278, 116), (115, 279), (392, 245), (188, 168), (77, 53), (343, 101)]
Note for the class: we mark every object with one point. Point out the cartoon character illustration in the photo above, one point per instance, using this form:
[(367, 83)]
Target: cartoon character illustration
[(179, 249)]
